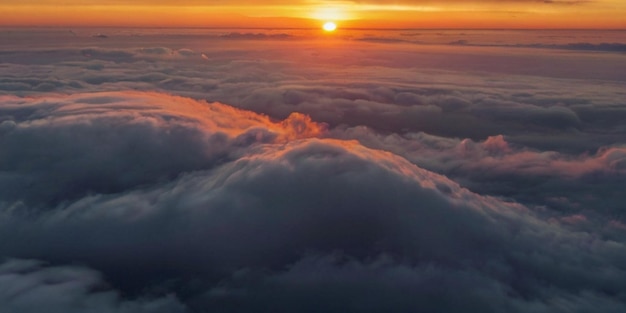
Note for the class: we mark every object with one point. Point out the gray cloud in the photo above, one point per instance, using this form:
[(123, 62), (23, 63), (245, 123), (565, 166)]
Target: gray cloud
[(275, 201), (29, 286), (75, 139), (427, 177)]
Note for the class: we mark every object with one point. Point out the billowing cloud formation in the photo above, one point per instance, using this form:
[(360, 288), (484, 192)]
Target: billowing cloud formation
[(586, 182), (125, 140), (232, 211), (429, 171), (27, 286)]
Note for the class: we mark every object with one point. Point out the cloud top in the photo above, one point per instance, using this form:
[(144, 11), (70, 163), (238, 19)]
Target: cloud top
[(229, 209)]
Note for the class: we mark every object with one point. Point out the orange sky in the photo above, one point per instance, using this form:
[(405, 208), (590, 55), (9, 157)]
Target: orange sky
[(309, 13)]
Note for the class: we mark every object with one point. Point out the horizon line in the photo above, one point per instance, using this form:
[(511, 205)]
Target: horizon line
[(305, 28)]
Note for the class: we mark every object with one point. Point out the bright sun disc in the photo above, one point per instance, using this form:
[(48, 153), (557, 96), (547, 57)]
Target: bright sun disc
[(329, 26)]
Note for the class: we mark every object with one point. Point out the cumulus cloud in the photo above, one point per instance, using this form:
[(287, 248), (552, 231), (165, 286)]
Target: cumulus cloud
[(30, 286), (124, 139), (380, 285), (272, 214), (415, 177), (573, 183), (451, 92)]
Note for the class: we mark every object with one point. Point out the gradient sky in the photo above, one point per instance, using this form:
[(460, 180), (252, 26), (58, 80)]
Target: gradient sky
[(308, 13)]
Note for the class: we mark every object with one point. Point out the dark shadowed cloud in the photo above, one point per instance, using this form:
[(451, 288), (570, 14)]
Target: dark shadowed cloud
[(253, 172), (263, 214), (30, 286)]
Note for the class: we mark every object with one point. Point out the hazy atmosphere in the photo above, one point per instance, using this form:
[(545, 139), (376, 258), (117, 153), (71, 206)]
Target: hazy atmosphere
[(292, 169)]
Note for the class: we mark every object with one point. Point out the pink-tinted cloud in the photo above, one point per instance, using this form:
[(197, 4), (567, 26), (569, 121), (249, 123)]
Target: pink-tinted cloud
[(145, 185), (406, 175)]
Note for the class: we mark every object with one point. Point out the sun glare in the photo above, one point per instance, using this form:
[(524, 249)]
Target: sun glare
[(329, 26)]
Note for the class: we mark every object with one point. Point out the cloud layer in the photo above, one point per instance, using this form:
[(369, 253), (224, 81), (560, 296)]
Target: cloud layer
[(266, 214), (388, 171), (29, 286)]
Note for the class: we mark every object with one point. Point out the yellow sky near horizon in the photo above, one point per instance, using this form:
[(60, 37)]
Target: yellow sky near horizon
[(309, 13)]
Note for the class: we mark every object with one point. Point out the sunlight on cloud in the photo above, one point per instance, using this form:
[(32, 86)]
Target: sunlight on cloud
[(277, 209), (274, 170)]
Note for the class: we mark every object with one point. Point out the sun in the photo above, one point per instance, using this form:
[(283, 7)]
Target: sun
[(329, 26)]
